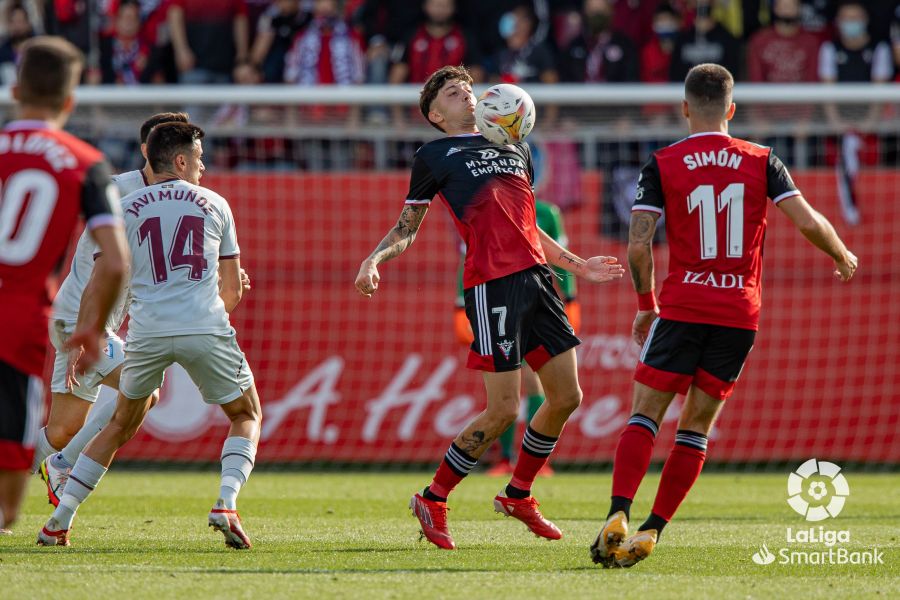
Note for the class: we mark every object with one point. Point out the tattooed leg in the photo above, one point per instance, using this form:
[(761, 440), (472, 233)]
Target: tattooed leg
[(503, 393)]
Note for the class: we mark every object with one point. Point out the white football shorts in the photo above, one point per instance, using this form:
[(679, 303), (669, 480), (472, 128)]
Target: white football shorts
[(214, 362), (111, 356)]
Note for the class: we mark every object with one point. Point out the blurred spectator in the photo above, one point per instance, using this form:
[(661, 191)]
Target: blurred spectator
[(384, 25), (326, 51), (784, 52), (599, 54), (124, 56), (79, 21), (32, 7), (853, 56), (482, 16), (634, 19), (706, 42), (437, 42), (275, 33), (18, 28), (740, 18), (816, 17), (210, 39), (656, 55), (152, 15), (524, 60)]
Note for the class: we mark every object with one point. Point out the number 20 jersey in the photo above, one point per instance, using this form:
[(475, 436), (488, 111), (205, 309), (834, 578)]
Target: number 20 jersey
[(47, 179), (714, 191), (177, 232)]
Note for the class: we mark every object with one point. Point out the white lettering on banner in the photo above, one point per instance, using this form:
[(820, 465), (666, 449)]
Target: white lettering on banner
[(609, 352), (182, 415), (317, 391), (393, 397)]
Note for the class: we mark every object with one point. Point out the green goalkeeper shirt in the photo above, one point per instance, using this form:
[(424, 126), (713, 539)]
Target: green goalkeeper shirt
[(550, 220)]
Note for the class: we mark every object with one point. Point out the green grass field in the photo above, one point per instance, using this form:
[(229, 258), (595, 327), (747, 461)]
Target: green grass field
[(351, 536)]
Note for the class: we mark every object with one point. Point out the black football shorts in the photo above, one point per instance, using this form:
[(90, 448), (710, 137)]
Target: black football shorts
[(517, 317), (21, 411), (677, 355)]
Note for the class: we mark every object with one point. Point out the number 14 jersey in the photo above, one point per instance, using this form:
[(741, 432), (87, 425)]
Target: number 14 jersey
[(177, 233), (714, 191)]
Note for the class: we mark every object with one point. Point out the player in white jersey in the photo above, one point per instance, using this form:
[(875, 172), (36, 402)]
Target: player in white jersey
[(185, 280), (73, 396)]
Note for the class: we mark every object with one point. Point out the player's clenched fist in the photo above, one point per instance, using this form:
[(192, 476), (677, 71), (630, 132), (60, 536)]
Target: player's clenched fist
[(845, 269), (601, 269), (367, 279)]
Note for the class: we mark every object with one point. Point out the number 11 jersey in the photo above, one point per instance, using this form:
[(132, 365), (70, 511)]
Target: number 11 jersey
[(177, 233), (714, 191)]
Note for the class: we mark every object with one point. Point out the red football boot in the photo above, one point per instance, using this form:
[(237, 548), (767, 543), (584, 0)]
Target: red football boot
[(432, 517), (526, 510)]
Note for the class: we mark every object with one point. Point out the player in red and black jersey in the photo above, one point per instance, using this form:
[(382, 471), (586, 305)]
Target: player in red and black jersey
[(514, 311), (715, 192), (47, 179)]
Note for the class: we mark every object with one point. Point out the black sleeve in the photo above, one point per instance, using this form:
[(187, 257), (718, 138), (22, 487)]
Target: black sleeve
[(422, 183), (525, 147), (99, 196), (779, 185), (649, 194), (400, 51)]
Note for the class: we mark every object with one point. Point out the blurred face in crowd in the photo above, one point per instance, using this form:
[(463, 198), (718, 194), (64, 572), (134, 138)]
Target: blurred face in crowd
[(19, 27), (853, 22), (325, 9), (516, 27), (128, 21), (288, 7), (666, 26), (439, 12), (597, 15), (454, 105)]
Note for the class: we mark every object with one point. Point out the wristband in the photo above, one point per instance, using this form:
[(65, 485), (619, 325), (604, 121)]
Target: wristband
[(647, 301)]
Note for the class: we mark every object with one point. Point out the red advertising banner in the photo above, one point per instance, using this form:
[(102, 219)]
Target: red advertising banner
[(344, 378)]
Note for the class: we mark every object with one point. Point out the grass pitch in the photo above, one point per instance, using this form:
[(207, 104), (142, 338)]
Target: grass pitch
[(351, 536)]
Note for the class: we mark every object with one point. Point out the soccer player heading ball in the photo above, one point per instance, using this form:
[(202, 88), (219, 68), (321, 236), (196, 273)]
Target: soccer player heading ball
[(714, 190), (510, 301)]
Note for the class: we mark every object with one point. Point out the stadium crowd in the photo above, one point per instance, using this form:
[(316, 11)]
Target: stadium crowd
[(310, 42)]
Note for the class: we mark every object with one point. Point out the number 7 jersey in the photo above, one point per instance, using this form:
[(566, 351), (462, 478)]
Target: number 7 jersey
[(177, 233), (714, 191)]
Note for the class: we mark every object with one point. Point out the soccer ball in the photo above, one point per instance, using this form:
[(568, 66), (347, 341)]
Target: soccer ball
[(505, 114)]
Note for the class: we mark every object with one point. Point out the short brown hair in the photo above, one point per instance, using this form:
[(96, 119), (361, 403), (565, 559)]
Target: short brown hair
[(49, 70), (435, 83), (168, 140), (159, 119), (708, 88)]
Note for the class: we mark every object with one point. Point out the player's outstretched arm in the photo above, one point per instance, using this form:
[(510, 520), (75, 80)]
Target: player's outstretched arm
[(393, 245), (101, 292), (640, 263), (818, 230), (231, 284), (598, 269)]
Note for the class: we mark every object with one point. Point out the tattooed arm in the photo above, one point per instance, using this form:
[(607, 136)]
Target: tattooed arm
[(598, 269), (640, 263), (640, 250), (393, 245)]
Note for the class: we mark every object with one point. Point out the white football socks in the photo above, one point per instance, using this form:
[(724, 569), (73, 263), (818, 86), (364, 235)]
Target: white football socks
[(42, 450), (85, 476), (99, 418), (238, 454)]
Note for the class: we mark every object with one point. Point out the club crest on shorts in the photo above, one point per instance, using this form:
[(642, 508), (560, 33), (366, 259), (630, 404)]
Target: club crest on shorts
[(506, 347), (109, 349)]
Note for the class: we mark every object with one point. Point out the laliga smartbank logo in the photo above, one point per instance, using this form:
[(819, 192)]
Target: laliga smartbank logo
[(817, 490)]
